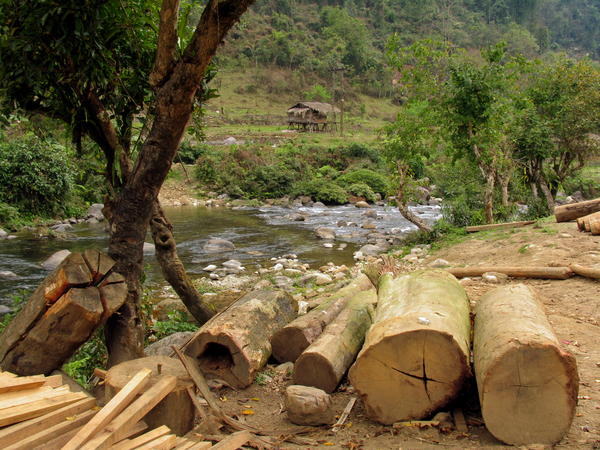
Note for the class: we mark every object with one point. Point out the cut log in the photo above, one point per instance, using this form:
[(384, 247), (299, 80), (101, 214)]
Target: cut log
[(176, 410), (497, 226), (572, 211), (326, 360), (416, 355), (583, 223), (293, 339), (595, 226), (58, 334), (585, 271), (551, 273), (527, 384), (234, 345), (100, 264)]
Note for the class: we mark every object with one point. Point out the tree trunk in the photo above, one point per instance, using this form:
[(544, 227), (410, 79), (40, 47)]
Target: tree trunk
[(235, 345), (289, 342), (132, 209), (547, 193), (527, 384), (565, 213), (172, 267), (488, 198), (326, 360), (416, 355), (413, 218)]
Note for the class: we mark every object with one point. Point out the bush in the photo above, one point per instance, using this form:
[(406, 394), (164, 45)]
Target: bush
[(35, 176), (321, 190), (537, 209), (362, 190), (375, 181), (9, 216), (189, 153), (462, 213)]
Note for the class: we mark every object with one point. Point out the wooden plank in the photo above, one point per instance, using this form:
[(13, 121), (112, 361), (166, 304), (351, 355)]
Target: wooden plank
[(459, 421), (112, 409), (9, 396), (550, 273), (54, 381), (53, 432), (15, 433), (130, 444), (100, 373), (18, 400), (204, 445), (496, 226), (234, 441), (6, 374), (17, 414), (162, 443), (21, 383), (117, 428), (184, 444)]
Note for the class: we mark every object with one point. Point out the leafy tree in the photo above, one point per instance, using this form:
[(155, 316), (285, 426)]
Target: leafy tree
[(96, 65)]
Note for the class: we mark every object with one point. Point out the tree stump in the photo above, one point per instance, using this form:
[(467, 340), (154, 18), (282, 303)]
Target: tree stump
[(293, 339), (176, 410), (234, 345), (416, 355), (326, 360), (527, 384)]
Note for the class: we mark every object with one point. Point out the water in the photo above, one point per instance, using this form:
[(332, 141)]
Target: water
[(258, 235)]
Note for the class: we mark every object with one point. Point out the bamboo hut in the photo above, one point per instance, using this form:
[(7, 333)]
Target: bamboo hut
[(312, 116)]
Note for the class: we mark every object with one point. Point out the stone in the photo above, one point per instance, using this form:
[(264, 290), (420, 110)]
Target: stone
[(500, 277), (218, 245), (422, 194), (371, 250), (342, 223), (8, 274), (322, 279), (149, 248), (286, 368), (232, 264), (62, 227), (362, 205), (325, 233), (308, 406), (163, 347), (3, 233), (210, 268), (96, 211), (4, 310), (411, 257), (54, 260), (328, 245), (369, 225), (370, 213), (439, 264)]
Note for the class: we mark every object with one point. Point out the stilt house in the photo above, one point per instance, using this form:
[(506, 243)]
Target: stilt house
[(313, 116)]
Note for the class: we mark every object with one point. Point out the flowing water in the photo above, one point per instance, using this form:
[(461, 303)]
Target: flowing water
[(259, 234)]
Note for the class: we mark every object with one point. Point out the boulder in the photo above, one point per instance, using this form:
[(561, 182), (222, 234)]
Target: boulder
[(8, 274), (308, 406), (3, 234), (163, 347), (370, 213), (369, 224), (325, 233), (53, 262), (422, 194), (96, 211), (362, 205), (218, 245)]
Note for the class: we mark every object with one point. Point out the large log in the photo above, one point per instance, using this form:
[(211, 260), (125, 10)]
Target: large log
[(552, 273), (234, 345), (176, 410), (572, 211), (527, 384), (498, 226), (293, 339), (416, 355), (595, 226), (583, 223), (326, 360)]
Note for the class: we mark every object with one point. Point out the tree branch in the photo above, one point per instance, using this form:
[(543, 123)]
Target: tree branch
[(167, 43)]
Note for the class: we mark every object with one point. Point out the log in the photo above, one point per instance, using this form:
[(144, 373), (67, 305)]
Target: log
[(293, 339), (585, 271), (176, 410), (583, 223), (326, 360), (595, 226), (58, 334), (497, 226), (527, 384), (416, 355), (552, 273), (572, 211), (234, 345)]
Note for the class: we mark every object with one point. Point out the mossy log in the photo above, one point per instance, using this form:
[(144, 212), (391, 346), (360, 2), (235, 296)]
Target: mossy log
[(234, 345), (293, 339), (415, 358), (527, 384), (326, 360), (572, 211)]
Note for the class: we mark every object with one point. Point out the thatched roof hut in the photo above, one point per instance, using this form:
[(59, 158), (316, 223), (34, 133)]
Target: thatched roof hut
[(312, 116)]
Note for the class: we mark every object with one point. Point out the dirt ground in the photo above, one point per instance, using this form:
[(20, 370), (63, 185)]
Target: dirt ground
[(571, 305)]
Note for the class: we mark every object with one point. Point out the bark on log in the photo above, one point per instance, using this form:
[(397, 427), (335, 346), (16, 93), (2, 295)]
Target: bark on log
[(416, 355), (176, 410), (552, 273), (572, 211), (234, 345), (595, 226), (583, 223), (527, 384), (293, 339), (326, 360), (585, 271)]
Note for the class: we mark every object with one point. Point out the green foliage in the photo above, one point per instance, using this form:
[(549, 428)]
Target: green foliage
[(178, 322), (318, 94), (537, 209), (362, 190), (463, 211), (189, 153), (321, 190), (89, 356), (9, 216), (35, 176), (378, 183)]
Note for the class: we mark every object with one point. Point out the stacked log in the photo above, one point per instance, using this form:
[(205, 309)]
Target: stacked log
[(326, 360), (590, 223), (416, 355), (63, 313), (234, 345), (572, 211), (527, 384), (293, 339)]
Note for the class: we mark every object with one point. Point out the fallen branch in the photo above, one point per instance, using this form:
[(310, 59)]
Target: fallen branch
[(585, 271), (344, 415), (496, 226), (553, 273)]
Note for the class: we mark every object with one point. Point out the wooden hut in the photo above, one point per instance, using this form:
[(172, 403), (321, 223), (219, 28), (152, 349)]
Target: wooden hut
[(312, 116)]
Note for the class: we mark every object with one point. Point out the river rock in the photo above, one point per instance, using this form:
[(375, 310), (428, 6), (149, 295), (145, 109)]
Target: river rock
[(96, 211), (62, 228), (422, 194), (8, 274), (4, 310), (342, 223), (149, 248), (370, 213), (325, 233), (362, 205), (371, 250), (52, 262), (319, 205), (369, 224), (308, 406), (209, 268), (232, 264), (439, 264), (319, 279), (163, 347), (3, 234), (283, 282), (218, 245)]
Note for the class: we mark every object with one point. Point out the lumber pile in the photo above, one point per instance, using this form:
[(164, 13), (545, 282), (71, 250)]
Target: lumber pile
[(572, 211), (62, 314)]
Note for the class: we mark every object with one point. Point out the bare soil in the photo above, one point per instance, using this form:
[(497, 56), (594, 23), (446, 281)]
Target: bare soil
[(571, 305)]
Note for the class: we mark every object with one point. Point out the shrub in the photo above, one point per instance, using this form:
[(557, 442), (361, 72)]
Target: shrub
[(9, 216), (362, 190), (35, 176), (189, 153), (537, 209), (375, 181), (321, 190), (461, 213)]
